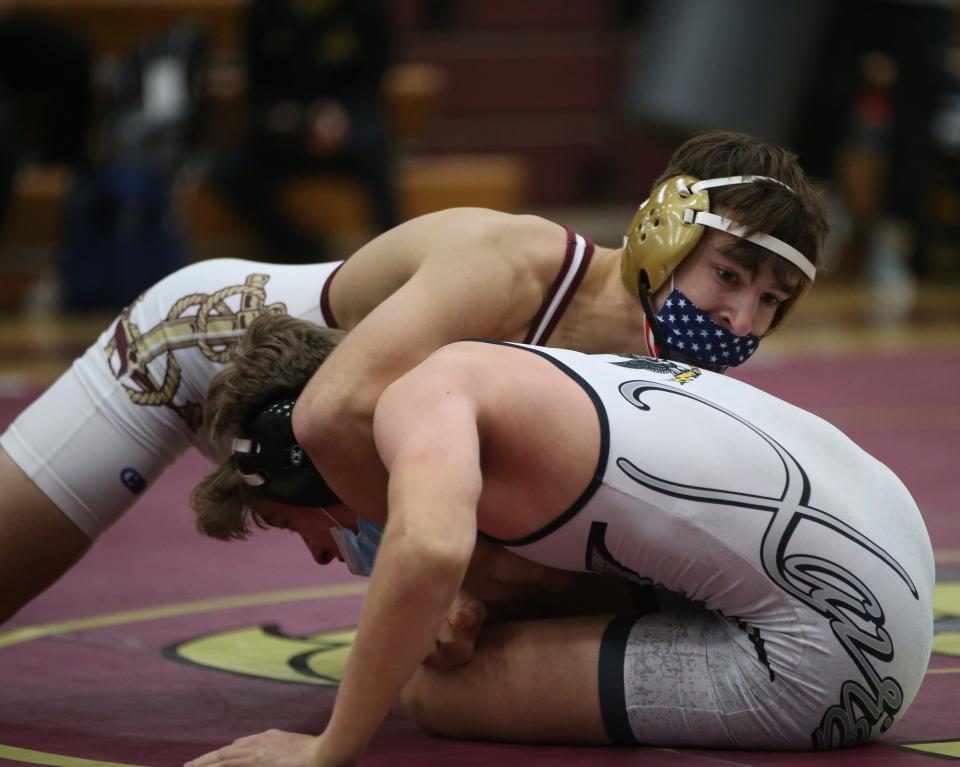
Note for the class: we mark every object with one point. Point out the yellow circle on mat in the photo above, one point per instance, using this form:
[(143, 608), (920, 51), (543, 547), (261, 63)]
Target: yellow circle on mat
[(29, 633)]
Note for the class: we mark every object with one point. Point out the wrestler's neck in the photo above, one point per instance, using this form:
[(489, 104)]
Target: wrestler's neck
[(603, 316)]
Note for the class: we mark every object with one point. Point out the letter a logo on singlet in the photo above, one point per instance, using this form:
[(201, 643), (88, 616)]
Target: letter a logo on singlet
[(145, 362)]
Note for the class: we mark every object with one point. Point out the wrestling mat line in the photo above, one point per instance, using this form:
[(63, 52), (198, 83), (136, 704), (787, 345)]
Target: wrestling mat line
[(161, 645)]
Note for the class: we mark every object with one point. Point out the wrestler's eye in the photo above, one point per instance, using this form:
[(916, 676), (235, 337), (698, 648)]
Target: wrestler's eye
[(726, 275), (771, 299)]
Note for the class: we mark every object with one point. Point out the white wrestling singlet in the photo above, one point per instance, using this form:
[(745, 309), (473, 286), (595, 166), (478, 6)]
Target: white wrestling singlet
[(805, 565), (107, 428), (126, 409)]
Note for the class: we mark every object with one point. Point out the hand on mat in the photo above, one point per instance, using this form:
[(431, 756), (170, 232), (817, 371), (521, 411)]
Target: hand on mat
[(273, 748), (458, 634)]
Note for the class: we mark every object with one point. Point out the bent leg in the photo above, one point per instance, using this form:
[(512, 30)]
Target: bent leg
[(38, 543), (530, 681), (681, 678)]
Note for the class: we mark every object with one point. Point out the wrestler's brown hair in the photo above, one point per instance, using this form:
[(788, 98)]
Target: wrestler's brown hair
[(797, 217), (273, 360)]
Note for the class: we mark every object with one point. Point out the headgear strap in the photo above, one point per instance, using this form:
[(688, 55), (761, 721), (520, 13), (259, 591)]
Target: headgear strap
[(270, 459)]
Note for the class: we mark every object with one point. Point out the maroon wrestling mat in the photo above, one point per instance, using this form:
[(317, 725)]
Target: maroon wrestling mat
[(162, 645)]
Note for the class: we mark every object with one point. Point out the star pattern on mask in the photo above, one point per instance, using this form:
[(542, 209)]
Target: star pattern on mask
[(694, 332)]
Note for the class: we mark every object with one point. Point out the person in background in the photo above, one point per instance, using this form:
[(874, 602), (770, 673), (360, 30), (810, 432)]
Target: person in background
[(315, 71), (880, 74), (46, 97)]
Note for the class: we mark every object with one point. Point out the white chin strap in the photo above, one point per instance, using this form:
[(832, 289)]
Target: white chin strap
[(767, 241)]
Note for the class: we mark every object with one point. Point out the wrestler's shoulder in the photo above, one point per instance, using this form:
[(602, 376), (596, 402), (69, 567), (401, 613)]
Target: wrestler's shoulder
[(524, 239), (519, 229)]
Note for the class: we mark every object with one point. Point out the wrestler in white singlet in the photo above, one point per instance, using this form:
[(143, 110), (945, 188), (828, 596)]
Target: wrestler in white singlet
[(807, 560)]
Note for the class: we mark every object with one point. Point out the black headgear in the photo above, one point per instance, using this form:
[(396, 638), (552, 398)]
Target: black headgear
[(270, 459)]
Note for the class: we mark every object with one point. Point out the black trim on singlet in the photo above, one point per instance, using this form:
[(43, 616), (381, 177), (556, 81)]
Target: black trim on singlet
[(325, 309), (610, 682), (602, 458), (644, 598), (575, 283)]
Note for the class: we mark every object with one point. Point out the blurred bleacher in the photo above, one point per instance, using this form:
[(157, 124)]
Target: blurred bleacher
[(509, 104), (491, 103)]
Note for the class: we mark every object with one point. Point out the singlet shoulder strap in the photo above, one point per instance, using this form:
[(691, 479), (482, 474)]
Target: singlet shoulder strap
[(325, 309), (575, 262)]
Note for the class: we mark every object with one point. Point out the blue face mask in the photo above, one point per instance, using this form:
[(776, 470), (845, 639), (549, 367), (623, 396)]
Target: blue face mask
[(697, 338), (358, 549)]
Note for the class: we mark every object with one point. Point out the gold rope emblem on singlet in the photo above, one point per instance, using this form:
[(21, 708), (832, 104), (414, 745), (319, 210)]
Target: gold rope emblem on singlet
[(213, 329)]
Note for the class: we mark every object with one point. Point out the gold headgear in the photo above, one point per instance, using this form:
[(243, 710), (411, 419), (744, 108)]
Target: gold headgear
[(669, 225)]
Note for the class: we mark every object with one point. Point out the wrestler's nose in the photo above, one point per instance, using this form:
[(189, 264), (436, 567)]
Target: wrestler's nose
[(738, 315)]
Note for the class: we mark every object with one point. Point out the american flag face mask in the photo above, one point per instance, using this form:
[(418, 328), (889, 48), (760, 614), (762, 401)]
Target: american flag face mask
[(691, 336)]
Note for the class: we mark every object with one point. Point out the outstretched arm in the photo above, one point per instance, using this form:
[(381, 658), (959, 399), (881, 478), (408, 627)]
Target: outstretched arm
[(433, 456), (432, 451)]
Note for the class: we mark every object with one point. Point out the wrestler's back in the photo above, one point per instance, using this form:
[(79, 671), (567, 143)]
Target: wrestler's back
[(809, 548)]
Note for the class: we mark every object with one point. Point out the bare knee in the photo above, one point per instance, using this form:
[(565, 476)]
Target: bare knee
[(415, 702), (38, 543), (420, 702)]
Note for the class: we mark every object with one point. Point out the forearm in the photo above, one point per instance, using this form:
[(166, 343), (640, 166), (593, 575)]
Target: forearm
[(402, 614)]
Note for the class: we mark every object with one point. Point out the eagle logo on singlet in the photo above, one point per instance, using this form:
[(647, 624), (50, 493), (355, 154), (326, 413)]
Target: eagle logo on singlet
[(681, 374), (212, 323)]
